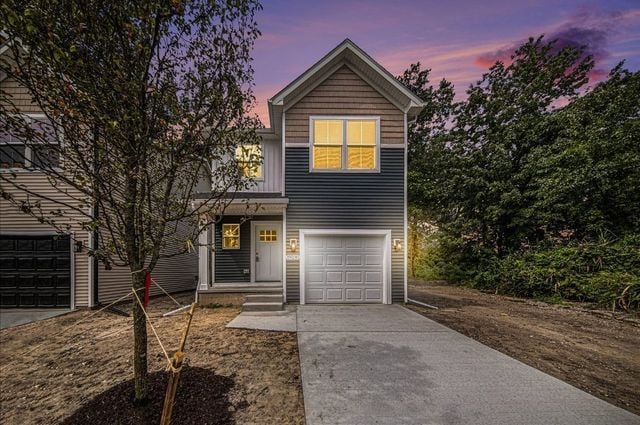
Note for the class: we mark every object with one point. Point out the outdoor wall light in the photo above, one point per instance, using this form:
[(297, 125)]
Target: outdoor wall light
[(77, 246), (293, 245), (397, 244)]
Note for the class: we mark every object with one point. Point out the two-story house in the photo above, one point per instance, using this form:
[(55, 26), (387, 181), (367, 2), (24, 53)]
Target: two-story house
[(39, 266), (326, 221)]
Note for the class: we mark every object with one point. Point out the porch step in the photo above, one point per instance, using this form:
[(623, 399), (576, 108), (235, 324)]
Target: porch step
[(264, 298), (262, 306)]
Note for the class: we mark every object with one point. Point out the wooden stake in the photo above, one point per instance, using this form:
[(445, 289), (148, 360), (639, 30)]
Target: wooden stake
[(175, 369)]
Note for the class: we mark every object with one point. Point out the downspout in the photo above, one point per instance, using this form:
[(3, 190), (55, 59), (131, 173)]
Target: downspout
[(95, 232), (96, 262)]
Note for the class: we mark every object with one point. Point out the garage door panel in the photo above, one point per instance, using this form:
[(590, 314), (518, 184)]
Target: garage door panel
[(373, 278), (334, 277), (373, 260), (354, 277), (335, 260), (333, 243), (315, 295), (372, 294), (334, 294), (354, 243), (35, 271), (315, 277), (353, 294), (344, 269)]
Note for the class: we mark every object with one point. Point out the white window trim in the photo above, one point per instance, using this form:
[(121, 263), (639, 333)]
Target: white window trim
[(344, 118), (28, 159), (386, 271), (239, 236)]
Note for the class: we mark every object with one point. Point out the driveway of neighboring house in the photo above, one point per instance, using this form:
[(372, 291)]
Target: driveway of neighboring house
[(14, 317), (389, 365)]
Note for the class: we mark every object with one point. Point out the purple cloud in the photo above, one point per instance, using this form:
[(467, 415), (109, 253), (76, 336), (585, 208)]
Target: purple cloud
[(586, 29)]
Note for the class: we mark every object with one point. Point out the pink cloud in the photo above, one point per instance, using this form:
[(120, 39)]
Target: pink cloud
[(587, 28)]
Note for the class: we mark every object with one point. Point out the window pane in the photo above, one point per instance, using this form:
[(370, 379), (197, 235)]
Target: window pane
[(12, 156), (43, 129), (249, 159), (361, 157), (230, 236), (327, 132), (327, 157), (44, 157), (361, 132)]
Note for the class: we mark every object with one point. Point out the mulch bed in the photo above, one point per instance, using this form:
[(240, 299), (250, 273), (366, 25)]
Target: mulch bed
[(202, 398)]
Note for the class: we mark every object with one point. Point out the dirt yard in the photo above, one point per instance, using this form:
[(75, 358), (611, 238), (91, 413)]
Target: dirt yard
[(46, 377), (591, 350)]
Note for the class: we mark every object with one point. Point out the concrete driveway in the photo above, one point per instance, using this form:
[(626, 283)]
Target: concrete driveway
[(389, 365), (14, 317)]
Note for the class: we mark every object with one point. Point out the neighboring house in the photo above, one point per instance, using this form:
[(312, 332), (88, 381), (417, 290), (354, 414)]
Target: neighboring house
[(40, 268), (326, 221)]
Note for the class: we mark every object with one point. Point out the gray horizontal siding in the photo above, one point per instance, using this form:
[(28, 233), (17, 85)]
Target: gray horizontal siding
[(230, 263), (345, 201), (173, 274)]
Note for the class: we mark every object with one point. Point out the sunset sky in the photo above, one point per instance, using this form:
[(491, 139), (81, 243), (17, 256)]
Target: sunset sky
[(458, 40)]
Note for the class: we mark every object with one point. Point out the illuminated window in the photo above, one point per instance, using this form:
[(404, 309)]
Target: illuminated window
[(230, 236), (268, 235), (249, 159), (361, 145), (345, 144), (327, 144)]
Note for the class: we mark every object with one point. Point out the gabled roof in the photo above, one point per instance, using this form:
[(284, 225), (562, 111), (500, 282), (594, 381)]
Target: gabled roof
[(349, 54)]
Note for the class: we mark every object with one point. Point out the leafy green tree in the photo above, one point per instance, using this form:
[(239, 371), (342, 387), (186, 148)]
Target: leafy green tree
[(139, 97), (586, 182), (481, 193)]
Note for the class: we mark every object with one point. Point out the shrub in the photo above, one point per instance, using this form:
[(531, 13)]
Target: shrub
[(603, 272)]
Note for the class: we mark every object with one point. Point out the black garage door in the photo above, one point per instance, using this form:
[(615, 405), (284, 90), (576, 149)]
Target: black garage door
[(35, 271)]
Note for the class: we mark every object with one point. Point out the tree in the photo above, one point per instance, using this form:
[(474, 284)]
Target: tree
[(480, 192), (139, 97), (586, 182)]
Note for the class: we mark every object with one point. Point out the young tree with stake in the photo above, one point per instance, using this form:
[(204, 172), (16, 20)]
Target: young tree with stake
[(138, 98)]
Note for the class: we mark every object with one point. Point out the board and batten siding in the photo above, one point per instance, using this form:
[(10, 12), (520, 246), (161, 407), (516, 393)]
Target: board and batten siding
[(345, 201), (344, 93), (271, 180), (14, 221)]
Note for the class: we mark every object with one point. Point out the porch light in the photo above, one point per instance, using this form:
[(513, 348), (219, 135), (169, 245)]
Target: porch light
[(293, 245), (397, 244)]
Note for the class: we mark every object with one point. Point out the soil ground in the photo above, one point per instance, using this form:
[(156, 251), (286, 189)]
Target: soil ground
[(593, 350), (47, 377)]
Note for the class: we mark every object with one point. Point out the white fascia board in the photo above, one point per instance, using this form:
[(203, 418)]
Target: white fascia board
[(278, 99)]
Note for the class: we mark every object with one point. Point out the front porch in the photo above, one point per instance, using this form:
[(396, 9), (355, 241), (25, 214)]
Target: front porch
[(243, 253)]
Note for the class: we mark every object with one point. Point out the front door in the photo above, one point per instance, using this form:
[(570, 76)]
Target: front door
[(268, 252)]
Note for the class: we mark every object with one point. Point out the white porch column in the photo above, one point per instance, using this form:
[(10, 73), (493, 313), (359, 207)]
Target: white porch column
[(203, 259)]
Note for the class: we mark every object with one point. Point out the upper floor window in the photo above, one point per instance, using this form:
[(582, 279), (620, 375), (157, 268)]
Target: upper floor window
[(15, 153), (345, 144), (249, 158)]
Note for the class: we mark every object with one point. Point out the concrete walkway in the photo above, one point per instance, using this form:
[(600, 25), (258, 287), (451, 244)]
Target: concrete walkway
[(389, 365), (15, 317)]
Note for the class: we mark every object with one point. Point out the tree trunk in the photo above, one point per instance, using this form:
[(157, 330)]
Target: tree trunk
[(139, 341)]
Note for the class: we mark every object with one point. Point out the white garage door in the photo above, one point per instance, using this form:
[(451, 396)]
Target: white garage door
[(344, 269)]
